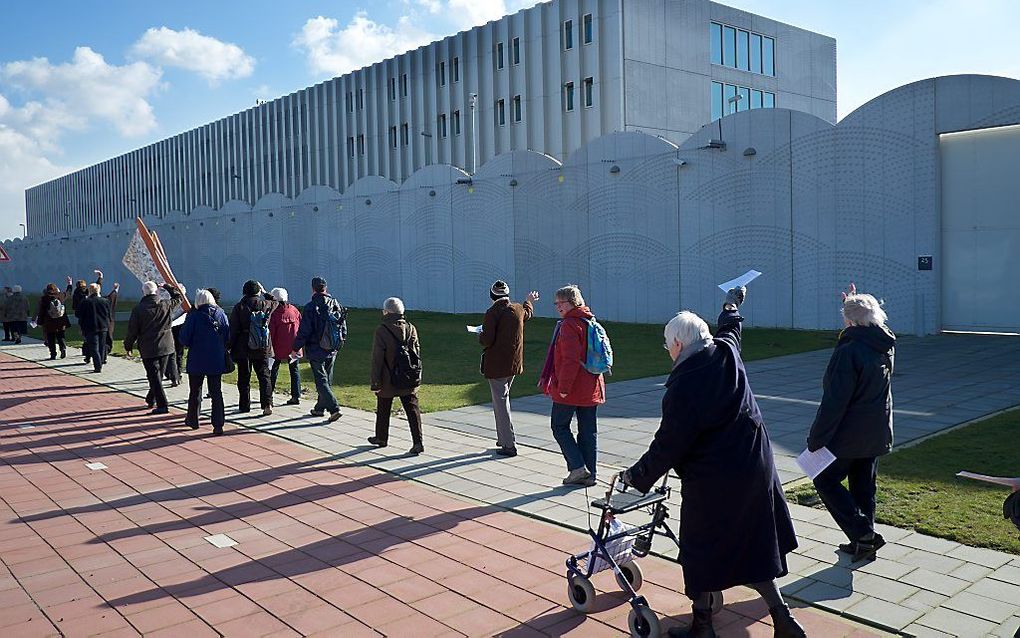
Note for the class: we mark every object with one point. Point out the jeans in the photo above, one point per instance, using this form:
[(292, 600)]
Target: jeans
[(500, 390), (244, 369), (853, 509), (295, 377), (195, 399), (54, 338), (582, 451), (383, 408), (322, 372), (154, 373), (95, 348)]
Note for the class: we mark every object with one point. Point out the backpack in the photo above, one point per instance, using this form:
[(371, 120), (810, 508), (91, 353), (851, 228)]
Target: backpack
[(56, 309), (258, 330), (599, 357), (406, 371), (334, 330)]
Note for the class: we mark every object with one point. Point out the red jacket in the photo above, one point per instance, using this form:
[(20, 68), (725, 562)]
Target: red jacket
[(569, 377), (283, 327)]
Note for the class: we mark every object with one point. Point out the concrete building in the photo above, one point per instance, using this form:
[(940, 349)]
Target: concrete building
[(548, 79)]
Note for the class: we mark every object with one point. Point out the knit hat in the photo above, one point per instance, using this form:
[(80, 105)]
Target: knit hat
[(499, 289), (251, 288)]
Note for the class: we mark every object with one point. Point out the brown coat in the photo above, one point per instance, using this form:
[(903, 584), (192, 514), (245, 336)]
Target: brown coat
[(384, 353), (49, 324), (502, 338)]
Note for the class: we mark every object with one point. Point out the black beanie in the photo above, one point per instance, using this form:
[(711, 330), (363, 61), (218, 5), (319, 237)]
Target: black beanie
[(499, 289), (251, 288)]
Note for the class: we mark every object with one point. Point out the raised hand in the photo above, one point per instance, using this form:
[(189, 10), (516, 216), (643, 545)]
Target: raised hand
[(533, 296), (851, 290)]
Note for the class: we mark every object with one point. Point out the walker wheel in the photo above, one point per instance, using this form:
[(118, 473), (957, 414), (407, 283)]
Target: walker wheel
[(643, 622), (632, 572), (581, 593)]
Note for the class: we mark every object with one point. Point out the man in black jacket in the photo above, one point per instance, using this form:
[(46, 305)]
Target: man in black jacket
[(854, 421), (94, 318), (149, 327), (77, 293), (259, 305), (309, 338)]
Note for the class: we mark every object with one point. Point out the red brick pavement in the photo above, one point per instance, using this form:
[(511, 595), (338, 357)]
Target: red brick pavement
[(324, 546)]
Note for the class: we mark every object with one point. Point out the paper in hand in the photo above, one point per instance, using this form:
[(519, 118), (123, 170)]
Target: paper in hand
[(812, 463), (475, 329), (742, 280)]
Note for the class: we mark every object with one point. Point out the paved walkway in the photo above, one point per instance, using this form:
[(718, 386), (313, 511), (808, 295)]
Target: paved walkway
[(108, 517), (920, 586)]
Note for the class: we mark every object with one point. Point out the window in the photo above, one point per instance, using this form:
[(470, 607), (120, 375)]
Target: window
[(403, 85), (568, 34), (768, 56), (499, 55), (717, 100), (393, 137), (515, 51), (517, 108), (568, 96), (361, 145), (755, 99), (361, 99), (768, 100), (456, 122), (350, 146), (589, 91), (456, 69), (404, 134), (755, 53), (442, 74), (744, 103), (715, 36), (350, 102), (442, 126), (500, 112), (589, 28), (742, 46), (393, 88), (730, 105), (724, 99), (729, 46)]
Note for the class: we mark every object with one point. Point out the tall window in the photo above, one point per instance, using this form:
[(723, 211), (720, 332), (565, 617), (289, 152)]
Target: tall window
[(517, 108), (361, 99), (442, 73), (393, 88), (515, 51), (456, 122), (350, 146), (361, 144), (589, 91), (350, 102), (768, 56), (717, 100), (715, 38), (442, 126), (404, 137), (568, 34), (499, 55), (403, 85), (588, 26), (742, 49), (568, 96), (729, 46), (755, 53), (500, 112), (456, 69), (393, 137)]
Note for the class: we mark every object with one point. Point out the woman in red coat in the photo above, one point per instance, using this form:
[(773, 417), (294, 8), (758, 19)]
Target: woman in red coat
[(283, 327), (573, 389)]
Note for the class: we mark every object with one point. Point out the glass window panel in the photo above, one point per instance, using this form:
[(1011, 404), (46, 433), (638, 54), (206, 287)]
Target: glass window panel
[(588, 29), (717, 100), (769, 100), (589, 91), (715, 36), (768, 56), (570, 96), (742, 46), (517, 51), (730, 105), (745, 99), (729, 46), (755, 53), (499, 55), (755, 99), (456, 69), (568, 34)]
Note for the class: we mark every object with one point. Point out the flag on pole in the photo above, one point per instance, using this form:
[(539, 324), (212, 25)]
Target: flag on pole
[(146, 260)]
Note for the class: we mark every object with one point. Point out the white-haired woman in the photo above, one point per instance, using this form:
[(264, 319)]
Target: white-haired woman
[(854, 421), (394, 347), (283, 327), (204, 333)]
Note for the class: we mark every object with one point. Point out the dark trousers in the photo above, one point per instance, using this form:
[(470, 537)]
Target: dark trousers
[(295, 377), (322, 372), (244, 370), (154, 373), (853, 509), (383, 408), (7, 331), (54, 338), (581, 451), (95, 348), (195, 399), (85, 346)]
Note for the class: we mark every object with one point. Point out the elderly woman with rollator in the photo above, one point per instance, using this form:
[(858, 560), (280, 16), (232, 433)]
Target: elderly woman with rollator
[(735, 528)]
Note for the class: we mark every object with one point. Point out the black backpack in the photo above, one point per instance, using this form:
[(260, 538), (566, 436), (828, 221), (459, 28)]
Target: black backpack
[(406, 371)]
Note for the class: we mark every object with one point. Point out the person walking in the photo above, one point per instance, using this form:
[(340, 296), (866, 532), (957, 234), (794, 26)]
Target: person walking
[(112, 298), (149, 328), (94, 320), (4, 296), (395, 354), (175, 364), (321, 335), (502, 340), (283, 328), (17, 312), (205, 333), (854, 421), (572, 388), (250, 345), (735, 526), (51, 316)]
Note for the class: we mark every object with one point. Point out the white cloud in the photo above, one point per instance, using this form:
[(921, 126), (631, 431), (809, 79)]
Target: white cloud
[(471, 13), (335, 51), (432, 6), (23, 163), (212, 59)]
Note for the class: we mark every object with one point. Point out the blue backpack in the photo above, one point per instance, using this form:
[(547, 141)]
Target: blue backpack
[(599, 357), (334, 329), (258, 330)]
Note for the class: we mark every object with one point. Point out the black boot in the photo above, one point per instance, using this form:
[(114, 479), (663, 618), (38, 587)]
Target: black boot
[(701, 626), (785, 625)]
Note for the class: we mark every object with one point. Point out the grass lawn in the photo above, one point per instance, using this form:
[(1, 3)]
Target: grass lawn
[(450, 356), (918, 489)]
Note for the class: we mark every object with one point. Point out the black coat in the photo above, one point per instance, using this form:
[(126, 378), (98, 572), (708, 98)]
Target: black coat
[(735, 527), (240, 326), (94, 315), (149, 325), (854, 419)]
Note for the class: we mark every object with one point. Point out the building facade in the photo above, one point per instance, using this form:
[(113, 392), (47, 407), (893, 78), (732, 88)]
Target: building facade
[(547, 79)]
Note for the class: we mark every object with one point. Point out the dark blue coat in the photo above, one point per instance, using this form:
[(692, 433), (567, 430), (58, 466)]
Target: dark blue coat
[(735, 527), (313, 322), (205, 334)]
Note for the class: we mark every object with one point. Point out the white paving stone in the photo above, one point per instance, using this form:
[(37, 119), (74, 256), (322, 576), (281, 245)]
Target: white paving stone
[(987, 608)]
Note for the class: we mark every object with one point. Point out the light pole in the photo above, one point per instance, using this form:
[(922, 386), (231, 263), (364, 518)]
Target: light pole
[(428, 147), (473, 102), (24, 231)]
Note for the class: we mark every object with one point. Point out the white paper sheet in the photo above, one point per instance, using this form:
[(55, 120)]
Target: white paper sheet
[(475, 329), (742, 280), (812, 463), (179, 321), (1013, 483)]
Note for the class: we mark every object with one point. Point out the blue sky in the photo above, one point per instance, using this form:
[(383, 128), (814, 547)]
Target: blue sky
[(84, 81)]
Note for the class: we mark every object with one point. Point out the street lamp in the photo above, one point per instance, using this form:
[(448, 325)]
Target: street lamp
[(428, 147), (24, 231), (473, 102)]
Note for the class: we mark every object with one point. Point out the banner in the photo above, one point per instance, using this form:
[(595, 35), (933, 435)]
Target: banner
[(146, 260)]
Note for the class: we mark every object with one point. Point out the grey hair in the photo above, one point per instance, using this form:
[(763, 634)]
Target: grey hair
[(393, 306), (94, 289), (149, 288), (570, 293), (15, 288), (687, 328), (864, 310), (204, 298), (280, 294)]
